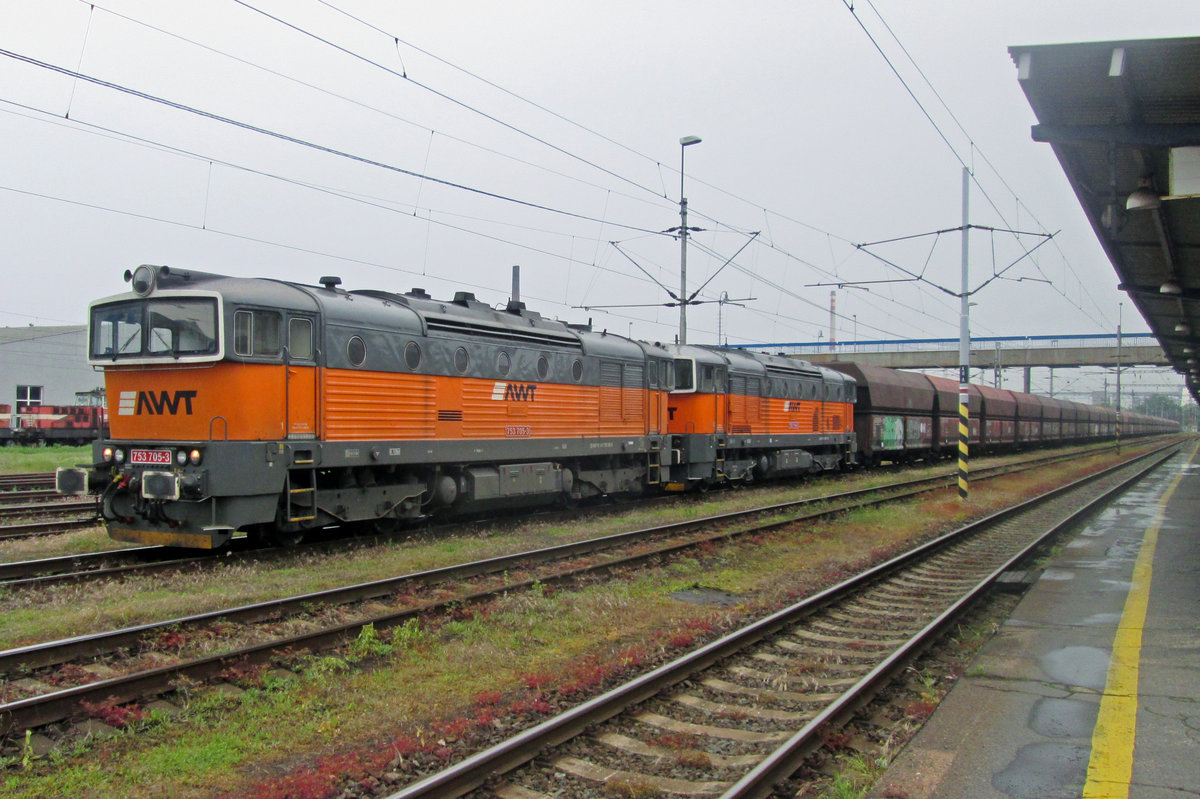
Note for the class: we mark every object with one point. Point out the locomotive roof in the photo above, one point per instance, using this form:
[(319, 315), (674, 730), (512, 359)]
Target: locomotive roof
[(757, 362), (414, 312)]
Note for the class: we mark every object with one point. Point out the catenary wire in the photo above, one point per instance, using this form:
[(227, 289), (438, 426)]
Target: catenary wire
[(301, 142)]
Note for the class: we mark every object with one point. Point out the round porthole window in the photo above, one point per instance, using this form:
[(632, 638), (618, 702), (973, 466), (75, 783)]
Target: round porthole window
[(412, 355), (543, 367), (577, 370), (503, 363), (356, 350), (461, 360)]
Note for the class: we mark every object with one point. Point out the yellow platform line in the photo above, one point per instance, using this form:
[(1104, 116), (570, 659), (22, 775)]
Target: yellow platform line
[(1110, 768)]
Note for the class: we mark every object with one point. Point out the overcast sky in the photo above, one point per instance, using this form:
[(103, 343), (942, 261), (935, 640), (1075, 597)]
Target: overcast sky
[(403, 144)]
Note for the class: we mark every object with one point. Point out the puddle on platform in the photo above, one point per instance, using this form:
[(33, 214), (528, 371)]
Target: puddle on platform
[(1063, 718), (1045, 771), (1124, 549), (1099, 619), (1085, 666)]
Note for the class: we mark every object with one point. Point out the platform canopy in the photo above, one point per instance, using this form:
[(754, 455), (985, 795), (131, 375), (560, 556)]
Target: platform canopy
[(1124, 120)]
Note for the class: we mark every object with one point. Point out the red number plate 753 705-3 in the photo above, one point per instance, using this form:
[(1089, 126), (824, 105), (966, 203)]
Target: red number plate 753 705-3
[(150, 457)]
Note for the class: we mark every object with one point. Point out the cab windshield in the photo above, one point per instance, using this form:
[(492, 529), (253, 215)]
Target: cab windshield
[(154, 328)]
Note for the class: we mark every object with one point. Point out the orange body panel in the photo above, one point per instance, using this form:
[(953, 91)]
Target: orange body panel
[(360, 406), (235, 401), (376, 405), (302, 401), (808, 416), (701, 414)]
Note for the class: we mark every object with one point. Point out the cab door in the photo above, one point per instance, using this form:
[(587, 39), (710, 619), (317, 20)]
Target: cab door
[(658, 385), (301, 379)]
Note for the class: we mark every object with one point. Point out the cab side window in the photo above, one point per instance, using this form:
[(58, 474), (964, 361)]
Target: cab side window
[(300, 344), (257, 333)]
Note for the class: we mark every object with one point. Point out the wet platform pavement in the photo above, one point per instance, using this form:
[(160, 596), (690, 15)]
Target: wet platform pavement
[(1092, 687)]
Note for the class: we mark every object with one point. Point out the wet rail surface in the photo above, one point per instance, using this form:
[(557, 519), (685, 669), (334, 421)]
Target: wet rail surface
[(118, 563), (740, 715), (21, 664)]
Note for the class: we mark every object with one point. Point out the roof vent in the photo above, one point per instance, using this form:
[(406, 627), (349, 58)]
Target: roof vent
[(331, 282), (515, 307), (419, 294), (463, 297)]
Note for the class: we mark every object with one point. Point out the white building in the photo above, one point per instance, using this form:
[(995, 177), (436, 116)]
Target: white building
[(46, 366)]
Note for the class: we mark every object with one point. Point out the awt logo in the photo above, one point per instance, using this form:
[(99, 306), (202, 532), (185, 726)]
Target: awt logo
[(151, 403), (519, 392)]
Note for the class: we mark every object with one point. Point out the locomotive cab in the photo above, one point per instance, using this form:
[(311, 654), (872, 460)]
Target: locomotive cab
[(202, 390)]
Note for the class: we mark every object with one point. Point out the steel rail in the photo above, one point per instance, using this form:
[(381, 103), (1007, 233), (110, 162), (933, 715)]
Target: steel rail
[(22, 496), (20, 569), (471, 772), (39, 710), (62, 650), (43, 508), (71, 568), (31, 529), (28, 480), (790, 756)]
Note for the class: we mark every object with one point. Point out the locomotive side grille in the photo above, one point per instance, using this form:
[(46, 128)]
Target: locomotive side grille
[(450, 416), (460, 327)]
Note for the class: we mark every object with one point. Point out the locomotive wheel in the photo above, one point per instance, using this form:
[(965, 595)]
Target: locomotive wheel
[(287, 538), (385, 525)]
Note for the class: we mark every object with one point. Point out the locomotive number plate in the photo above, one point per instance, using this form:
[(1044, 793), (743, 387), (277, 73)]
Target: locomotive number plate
[(150, 457)]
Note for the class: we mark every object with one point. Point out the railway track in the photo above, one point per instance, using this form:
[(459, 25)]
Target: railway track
[(65, 508), (18, 482), (28, 665), (146, 560), (28, 529), (42, 510), (738, 716)]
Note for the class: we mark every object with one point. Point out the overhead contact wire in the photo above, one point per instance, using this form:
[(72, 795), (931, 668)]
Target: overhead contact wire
[(301, 142)]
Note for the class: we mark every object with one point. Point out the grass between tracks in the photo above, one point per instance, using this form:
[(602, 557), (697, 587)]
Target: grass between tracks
[(398, 702), (26, 460)]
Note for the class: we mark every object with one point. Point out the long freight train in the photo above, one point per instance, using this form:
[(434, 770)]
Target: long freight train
[(276, 408)]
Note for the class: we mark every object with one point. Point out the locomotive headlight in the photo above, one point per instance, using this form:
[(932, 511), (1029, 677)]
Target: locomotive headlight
[(181, 457), (142, 279), (119, 456), (107, 454), (195, 457)]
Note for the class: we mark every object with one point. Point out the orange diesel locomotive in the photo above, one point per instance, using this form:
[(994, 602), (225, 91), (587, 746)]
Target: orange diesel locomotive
[(275, 408)]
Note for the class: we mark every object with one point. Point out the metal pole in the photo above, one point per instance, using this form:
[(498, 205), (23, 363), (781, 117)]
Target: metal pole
[(683, 237), (684, 143), (1120, 309), (832, 320), (964, 349)]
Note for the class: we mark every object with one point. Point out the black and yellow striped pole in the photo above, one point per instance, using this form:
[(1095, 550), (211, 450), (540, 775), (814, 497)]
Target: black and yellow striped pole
[(964, 434)]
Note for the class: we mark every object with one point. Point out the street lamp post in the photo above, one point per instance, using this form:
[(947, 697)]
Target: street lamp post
[(684, 143)]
